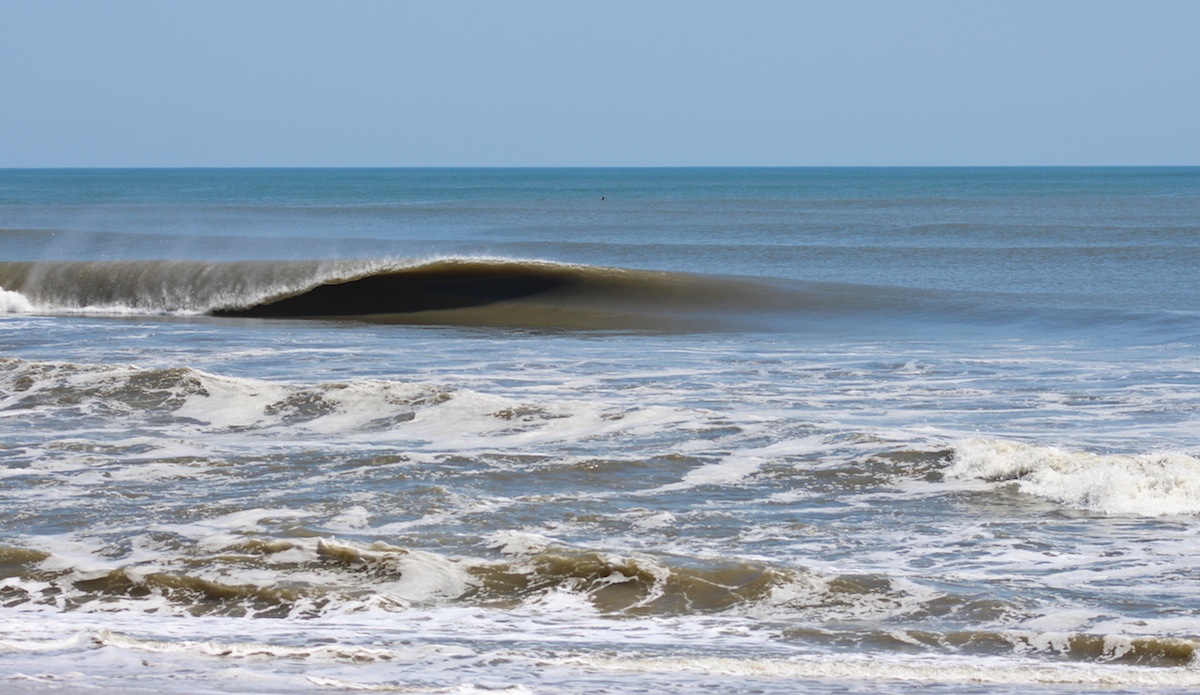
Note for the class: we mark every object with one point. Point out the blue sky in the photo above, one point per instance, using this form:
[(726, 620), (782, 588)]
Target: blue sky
[(649, 83)]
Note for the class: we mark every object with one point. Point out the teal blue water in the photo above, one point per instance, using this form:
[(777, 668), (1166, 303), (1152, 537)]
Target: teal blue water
[(762, 430)]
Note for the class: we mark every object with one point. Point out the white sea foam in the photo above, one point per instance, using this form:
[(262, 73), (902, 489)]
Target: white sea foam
[(944, 670), (226, 530), (519, 542), (14, 303), (231, 402), (729, 471), (1139, 484), (396, 687), (421, 576), (736, 468), (531, 648), (81, 558)]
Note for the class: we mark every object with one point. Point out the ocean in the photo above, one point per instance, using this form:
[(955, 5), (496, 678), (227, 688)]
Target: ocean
[(600, 430)]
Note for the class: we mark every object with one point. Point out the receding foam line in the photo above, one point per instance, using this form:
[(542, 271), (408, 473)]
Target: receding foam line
[(943, 670)]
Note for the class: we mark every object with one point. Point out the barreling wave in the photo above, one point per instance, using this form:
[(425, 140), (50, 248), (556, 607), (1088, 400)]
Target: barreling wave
[(501, 292), (462, 291)]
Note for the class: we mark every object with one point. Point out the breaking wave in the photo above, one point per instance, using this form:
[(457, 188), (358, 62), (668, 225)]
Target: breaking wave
[(1136, 484), (463, 291), (303, 578), (307, 578)]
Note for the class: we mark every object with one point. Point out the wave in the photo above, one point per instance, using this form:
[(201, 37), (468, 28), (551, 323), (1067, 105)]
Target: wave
[(520, 293), (150, 399), (161, 287), (1158, 484), (311, 578), (304, 578), (840, 670), (463, 291)]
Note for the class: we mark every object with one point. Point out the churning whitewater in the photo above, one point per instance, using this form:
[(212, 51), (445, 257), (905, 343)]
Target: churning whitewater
[(476, 430)]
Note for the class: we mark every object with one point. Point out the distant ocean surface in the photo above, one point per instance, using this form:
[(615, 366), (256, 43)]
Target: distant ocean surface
[(600, 430)]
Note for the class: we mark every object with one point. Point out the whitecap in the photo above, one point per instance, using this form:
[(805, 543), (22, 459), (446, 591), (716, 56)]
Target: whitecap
[(1151, 484)]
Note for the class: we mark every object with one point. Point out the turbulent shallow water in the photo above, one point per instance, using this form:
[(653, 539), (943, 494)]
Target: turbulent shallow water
[(610, 430)]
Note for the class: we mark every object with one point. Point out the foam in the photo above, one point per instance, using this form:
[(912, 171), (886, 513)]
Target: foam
[(735, 469), (944, 670), (730, 470), (231, 402), (14, 303), (1148, 485), (521, 543), (558, 638), (419, 576), (398, 687), (77, 556)]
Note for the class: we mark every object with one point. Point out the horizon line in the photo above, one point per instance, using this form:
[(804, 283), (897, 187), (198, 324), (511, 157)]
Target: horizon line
[(261, 167)]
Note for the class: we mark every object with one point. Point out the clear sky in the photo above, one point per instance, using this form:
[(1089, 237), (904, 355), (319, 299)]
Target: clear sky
[(591, 83)]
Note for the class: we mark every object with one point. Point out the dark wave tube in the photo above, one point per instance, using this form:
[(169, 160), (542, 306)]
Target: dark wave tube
[(435, 287)]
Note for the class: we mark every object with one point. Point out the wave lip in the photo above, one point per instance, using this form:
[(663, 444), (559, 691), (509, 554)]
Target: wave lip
[(435, 286)]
